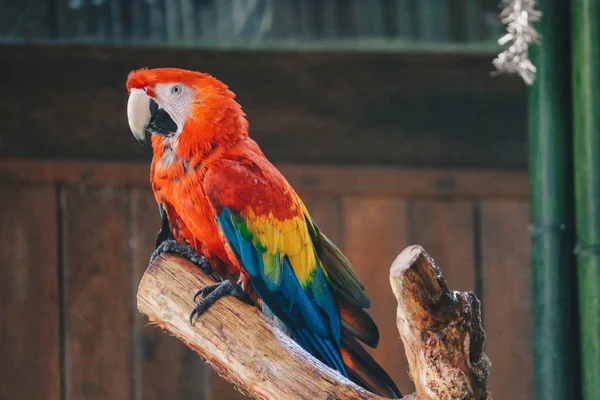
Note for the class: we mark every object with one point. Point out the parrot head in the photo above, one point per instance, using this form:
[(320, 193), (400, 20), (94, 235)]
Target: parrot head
[(182, 106)]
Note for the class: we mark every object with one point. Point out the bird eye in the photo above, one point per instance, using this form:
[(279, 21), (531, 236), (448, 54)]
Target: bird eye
[(176, 90)]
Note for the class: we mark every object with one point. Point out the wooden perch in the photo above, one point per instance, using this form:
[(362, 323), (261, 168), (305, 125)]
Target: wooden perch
[(236, 339), (262, 362)]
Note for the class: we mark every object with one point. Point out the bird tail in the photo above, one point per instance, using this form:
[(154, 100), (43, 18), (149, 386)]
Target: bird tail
[(350, 359), (364, 370), (324, 349)]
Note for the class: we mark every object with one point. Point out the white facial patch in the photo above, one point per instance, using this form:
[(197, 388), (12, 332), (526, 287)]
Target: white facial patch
[(176, 99)]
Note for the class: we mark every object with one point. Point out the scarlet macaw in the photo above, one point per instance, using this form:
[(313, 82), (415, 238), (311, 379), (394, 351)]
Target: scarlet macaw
[(230, 211)]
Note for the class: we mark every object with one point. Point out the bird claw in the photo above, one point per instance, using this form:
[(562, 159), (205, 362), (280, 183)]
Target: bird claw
[(214, 292), (173, 246), (206, 290)]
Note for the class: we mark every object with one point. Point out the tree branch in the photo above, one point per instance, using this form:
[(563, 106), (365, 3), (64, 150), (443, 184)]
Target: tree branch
[(238, 342), (441, 332)]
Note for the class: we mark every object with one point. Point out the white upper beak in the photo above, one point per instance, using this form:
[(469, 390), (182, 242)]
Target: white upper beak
[(138, 113)]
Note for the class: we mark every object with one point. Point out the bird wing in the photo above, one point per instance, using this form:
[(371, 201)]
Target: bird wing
[(266, 226)]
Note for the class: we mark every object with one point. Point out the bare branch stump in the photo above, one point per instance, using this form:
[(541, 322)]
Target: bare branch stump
[(441, 331)]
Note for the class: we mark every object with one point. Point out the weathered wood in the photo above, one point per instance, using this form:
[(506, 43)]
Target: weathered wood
[(441, 331), (98, 286), (236, 339), (368, 108), (378, 181), (29, 295), (507, 296)]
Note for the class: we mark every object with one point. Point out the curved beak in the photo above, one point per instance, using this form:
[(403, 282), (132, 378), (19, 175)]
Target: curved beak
[(145, 117), (139, 114)]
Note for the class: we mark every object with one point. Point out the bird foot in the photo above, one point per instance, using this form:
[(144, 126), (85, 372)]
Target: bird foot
[(173, 246), (212, 293)]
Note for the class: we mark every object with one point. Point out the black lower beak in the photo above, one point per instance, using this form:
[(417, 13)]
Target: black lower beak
[(161, 122)]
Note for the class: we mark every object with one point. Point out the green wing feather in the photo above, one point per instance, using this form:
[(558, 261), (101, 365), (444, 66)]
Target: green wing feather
[(341, 275)]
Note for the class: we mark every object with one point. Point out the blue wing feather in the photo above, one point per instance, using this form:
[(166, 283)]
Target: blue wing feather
[(311, 315), (243, 248), (323, 296)]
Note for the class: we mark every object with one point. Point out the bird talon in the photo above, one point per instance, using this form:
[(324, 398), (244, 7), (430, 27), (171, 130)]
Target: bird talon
[(185, 250), (214, 292), (192, 314), (206, 290)]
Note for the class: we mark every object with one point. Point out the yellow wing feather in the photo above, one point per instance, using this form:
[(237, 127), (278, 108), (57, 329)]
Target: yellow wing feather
[(289, 237)]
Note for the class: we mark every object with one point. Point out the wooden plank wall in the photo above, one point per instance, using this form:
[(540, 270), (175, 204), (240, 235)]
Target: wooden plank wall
[(344, 108), (76, 237)]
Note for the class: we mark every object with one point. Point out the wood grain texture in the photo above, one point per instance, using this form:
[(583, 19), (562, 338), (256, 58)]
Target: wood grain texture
[(236, 339), (317, 179), (98, 294), (506, 297), (29, 321), (374, 231), (445, 229), (164, 367), (441, 331), (303, 107)]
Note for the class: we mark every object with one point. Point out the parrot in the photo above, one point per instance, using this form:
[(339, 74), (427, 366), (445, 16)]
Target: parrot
[(228, 210)]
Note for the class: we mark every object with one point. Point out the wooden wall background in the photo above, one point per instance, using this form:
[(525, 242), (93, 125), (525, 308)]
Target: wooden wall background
[(76, 237), (342, 108)]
